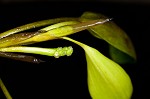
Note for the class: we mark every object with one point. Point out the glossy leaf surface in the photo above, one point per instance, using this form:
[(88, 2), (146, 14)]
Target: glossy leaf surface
[(111, 33)]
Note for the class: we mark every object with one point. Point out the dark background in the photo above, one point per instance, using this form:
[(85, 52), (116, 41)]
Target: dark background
[(66, 77)]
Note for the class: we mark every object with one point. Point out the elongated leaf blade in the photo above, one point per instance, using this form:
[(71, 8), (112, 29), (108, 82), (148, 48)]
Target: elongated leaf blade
[(34, 25), (16, 38)]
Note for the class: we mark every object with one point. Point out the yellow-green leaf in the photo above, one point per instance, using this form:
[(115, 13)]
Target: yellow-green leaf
[(111, 33), (106, 79), (35, 25), (16, 38)]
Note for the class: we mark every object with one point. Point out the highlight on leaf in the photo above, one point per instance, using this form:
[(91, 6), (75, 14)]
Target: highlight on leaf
[(111, 33), (35, 25), (16, 38)]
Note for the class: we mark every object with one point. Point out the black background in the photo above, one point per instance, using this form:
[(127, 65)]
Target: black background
[(66, 77)]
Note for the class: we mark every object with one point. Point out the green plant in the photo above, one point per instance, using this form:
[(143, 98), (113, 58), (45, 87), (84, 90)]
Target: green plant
[(106, 78)]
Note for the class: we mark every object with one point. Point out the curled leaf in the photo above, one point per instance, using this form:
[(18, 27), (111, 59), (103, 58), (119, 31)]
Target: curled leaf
[(106, 79)]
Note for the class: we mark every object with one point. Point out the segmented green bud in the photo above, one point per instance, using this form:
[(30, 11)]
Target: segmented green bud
[(63, 51), (56, 52)]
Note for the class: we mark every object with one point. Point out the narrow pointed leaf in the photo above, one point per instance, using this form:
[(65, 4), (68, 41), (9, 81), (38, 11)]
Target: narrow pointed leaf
[(111, 33), (35, 25), (9, 38), (62, 29), (20, 57), (16, 38)]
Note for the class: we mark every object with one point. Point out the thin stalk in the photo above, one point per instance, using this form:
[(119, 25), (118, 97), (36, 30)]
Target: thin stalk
[(56, 52), (4, 89)]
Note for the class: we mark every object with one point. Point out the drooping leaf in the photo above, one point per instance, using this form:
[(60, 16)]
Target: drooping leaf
[(106, 79), (111, 33)]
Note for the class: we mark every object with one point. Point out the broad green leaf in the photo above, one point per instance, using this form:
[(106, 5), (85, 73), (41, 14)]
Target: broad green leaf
[(106, 79), (111, 33)]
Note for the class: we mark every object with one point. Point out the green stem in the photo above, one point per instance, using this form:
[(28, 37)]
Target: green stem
[(4, 89), (74, 41), (56, 52)]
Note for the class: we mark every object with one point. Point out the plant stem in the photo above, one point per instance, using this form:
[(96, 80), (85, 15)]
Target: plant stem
[(56, 52), (4, 89)]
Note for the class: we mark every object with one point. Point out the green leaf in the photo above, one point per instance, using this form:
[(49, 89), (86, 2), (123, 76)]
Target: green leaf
[(58, 30), (35, 25), (16, 38), (106, 79), (9, 38), (120, 57), (111, 33)]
